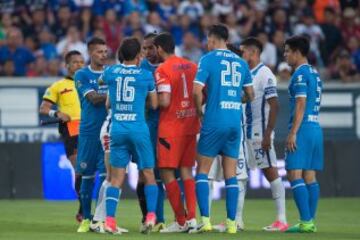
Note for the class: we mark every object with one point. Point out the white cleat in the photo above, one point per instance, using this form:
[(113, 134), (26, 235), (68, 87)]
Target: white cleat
[(240, 225), (190, 225), (99, 227), (174, 228), (220, 227)]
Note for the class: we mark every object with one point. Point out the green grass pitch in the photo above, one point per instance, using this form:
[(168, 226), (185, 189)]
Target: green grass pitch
[(338, 218)]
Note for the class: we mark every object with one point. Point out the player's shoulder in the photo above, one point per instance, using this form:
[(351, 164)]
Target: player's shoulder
[(81, 72), (266, 72)]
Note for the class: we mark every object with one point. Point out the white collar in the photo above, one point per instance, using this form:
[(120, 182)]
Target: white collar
[(95, 71)]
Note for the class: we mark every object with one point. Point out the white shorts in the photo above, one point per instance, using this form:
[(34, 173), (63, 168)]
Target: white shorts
[(258, 158), (105, 134), (216, 170)]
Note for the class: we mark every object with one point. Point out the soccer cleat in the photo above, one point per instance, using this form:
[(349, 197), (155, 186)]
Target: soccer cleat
[(84, 226), (159, 226), (220, 227), (302, 227), (190, 224), (110, 226), (173, 228), (205, 226), (97, 227), (276, 227), (231, 226), (240, 225), (149, 223)]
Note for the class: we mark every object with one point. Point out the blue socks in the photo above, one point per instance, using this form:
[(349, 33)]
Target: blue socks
[(202, 193), (232, 193), (160, 203), (86, 190), (151, 195), (301, 196), (112, 199), (314, 194)]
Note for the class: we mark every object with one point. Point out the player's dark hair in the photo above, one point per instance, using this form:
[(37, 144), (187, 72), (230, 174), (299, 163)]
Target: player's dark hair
[(219, 31), (129, 48), (253, 42), (70, 54), (234, 49), (95, 41), (166, 42), (299, 43), (150, 35)]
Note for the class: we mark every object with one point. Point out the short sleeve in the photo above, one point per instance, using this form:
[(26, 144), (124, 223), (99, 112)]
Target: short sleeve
[(247, 77), (82, 84), (163, 82), (300, 86), (51, 94), (202, 73), (103, 79), (151, 85), (269, 85)]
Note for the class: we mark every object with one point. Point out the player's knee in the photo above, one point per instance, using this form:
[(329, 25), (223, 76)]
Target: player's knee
[(149, 177), (271, 173), (309, 177), (294, 174), (186, 173)]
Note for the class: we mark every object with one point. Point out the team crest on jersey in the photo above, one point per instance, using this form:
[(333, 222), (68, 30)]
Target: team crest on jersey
[(83, 165), (270, 81)]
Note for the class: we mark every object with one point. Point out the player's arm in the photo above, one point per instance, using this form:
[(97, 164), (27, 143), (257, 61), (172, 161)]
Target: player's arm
[(153, 100), (164, 99), (163, 84), (198, 98), (50, 98), (107, 103), (95, 98), (300, 103), (273, 111), (248, 86)]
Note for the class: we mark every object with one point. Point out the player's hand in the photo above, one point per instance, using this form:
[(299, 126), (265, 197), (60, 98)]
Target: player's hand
[(291, 142), (266, 142), (63, 117)]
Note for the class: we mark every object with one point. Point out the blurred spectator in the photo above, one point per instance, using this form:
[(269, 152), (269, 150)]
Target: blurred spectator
[(268, 55), (100, 6), (278, 40), (281, 22), (234, 31), (54, 69), (190, 48), (14, 50), (135, 6), (85, 22), (191, 8), (184, 26), (350, 27), (222, 8), (112, 30), (344, 69), (320, 7), (310, 28), (166, 9), (284, 72), (38, 69), (47, 47), (55, 5), (132, 23), (6, 24), (354, 47), (72, 41), (63, 21), (8, 68), (259, 24), (153, 23), (332, 35), (37, 22)]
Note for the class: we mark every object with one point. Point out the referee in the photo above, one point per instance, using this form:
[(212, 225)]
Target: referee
[(63, 94)]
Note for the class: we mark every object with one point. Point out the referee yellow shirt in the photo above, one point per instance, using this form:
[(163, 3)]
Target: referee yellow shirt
[(63, 93)]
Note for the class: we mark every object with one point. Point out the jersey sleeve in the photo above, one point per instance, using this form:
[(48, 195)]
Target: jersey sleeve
[(300, 85), (247, 77), (163, 82), (202, 73), (269, 84), (82, 84), (51, 94), (151, 85)]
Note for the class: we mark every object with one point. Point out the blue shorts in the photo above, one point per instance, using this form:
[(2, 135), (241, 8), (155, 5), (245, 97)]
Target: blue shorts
[(309, 154), (90, 156), (219, 141), (131, 145)]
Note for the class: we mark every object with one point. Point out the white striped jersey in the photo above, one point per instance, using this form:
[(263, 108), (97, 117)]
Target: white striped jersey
[(257, 112)]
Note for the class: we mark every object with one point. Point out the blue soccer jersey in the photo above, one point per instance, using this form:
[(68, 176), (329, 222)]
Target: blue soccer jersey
[(306, 82), (225, 74), (92, 116), (152, 115), (128, 89)]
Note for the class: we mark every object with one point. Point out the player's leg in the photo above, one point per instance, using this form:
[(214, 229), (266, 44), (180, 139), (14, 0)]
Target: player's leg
[(160, 202), (232, 191), (141, 196), (151, 195), (278, 195), (240, 204), (313, 189)]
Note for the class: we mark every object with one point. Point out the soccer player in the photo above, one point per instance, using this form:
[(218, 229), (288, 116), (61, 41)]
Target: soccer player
[(304, 143), (216, 172), (150, 63), (64, 95), (178, 126), (129, 86), (225, 75), (93, 112), (260, 122)]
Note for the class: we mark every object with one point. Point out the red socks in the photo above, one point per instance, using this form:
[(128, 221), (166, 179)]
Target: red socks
[(174, 196), (190, 198)]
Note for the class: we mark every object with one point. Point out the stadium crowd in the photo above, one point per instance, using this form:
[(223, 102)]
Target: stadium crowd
[(35, 34)]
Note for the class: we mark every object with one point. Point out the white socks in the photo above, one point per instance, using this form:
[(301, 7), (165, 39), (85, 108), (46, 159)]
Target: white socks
[(278, 194), (100, 211), (241, 201)]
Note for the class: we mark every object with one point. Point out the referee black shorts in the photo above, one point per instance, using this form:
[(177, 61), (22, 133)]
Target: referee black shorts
[(70, 142)]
